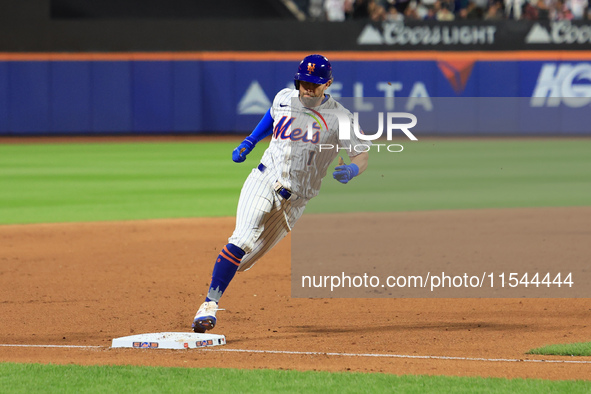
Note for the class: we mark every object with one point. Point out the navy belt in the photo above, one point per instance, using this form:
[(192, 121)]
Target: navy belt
[(283, 192)]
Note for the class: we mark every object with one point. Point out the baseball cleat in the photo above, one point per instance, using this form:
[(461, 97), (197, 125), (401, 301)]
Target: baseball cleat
[(205, 318)]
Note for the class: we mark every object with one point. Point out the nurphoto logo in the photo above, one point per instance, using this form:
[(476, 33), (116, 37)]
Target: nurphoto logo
[(393, 120)]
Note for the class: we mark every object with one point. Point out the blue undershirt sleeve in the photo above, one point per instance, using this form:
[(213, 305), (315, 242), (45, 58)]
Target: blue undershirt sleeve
[(264, 128)]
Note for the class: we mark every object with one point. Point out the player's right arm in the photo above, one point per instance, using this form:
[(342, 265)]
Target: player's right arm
[(260, 132)]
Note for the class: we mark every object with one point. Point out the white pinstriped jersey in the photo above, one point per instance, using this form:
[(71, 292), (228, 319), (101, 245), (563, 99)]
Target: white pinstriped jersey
[(263, 218), (300, 162)]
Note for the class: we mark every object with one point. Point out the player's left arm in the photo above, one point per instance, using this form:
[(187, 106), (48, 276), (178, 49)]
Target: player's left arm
[(345, 172), (361, 161)]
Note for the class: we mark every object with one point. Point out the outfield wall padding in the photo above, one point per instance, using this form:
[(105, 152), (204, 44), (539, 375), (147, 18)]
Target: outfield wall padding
[(198, 92)]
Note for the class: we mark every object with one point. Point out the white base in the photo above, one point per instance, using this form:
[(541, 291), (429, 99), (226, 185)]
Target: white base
[(169, 340)]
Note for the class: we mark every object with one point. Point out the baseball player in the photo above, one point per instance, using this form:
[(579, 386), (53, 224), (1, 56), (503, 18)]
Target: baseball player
[(305, 140)]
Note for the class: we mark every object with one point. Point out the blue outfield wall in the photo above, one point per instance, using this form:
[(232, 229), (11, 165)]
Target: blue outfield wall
[(189, 96)]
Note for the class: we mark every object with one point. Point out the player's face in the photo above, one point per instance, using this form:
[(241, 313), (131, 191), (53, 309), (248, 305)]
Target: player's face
[(311, 94)]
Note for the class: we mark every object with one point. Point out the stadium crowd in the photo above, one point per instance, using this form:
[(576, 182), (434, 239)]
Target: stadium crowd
[(445, 10)]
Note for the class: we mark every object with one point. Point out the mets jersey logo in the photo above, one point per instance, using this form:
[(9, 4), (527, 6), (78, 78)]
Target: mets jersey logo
[(281, 131), (311, 67)]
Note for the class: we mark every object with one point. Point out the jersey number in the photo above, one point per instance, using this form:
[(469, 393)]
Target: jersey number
[(311, 157)]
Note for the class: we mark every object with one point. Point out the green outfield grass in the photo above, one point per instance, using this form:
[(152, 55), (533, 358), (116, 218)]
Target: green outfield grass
[(91, 182), (124, 181), (467, 174), (126, 379), (567, 349)]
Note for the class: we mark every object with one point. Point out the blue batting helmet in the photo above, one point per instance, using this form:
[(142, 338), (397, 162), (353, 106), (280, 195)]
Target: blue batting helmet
[(315, 69)]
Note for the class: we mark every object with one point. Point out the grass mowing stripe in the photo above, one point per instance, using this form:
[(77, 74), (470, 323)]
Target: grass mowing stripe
[(98, 379), (567, 349), (463, 174), (126, 181), (90, 182)]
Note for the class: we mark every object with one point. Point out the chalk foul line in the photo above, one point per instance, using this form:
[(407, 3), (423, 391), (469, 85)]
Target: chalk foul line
[(511, 360), (58, 346), (332, 354)]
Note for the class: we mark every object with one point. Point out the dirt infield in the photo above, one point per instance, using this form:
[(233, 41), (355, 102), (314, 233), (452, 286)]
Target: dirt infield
[(84, 284)]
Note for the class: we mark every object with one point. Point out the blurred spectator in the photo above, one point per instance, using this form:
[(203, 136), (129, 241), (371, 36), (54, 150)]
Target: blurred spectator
[(316, 9), (431, 15), (448, 10), (476, 9), (561, 12), (449, 4), (460, 8), (444, 13), (428, 3), (401, 6), (513, 8), (494, 12), (377, 12), (530, 11), (579, 8), (393, 15), (543, 9), (335, 10), (463, 13), (432, 11), (415, 11), (473, 11)]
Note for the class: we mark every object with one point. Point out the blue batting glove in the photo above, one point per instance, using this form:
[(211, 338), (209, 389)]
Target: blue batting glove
[(245, 147), (346, 172)]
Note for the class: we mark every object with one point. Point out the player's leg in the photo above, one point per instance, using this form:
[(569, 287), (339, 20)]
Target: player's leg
[(254, 206), (255, 202), (270, 227), (275, 230), (223, 271), (278, 225)]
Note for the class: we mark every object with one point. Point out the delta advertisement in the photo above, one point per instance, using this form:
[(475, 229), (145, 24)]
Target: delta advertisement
[(172, 97)]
